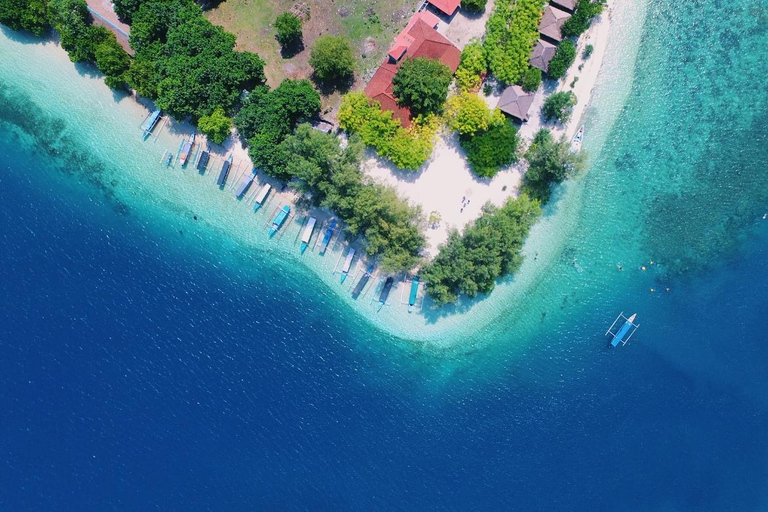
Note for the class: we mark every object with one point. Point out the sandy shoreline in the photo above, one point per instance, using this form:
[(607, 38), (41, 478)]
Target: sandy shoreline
[(445, 185), (445, 182)]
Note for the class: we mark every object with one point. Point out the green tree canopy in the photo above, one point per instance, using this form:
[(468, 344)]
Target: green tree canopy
[(474, 5), (488, 151), (143, 77), (29, 15), (562, 60), (472, 66), (489, 248), (288, 28), (531, 79), (511, 31), (332, 59), (125, 9), (550, 161), (468, 114), (422, 85), (558, 106), (71, 19), (112, 60), (216, 126), (199, 70), (154, 19), (267, 117), (406, 148), (586, 10), (316, 165), (277, 112)]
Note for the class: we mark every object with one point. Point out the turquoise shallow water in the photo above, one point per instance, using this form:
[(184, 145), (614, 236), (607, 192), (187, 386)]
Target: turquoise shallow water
[(155, 361)]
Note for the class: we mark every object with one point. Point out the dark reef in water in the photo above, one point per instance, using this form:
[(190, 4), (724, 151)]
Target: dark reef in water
[(19, 115)]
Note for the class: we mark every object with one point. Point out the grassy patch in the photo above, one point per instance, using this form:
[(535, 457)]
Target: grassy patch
[(370, 26)]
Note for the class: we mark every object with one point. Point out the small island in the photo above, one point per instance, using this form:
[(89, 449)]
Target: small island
[(431, 138)]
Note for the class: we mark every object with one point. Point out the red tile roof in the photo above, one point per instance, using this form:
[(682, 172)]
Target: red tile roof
[(425, 41), (447, 6)]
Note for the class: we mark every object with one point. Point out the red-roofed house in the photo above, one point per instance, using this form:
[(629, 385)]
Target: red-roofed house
[(418, 39), (446, 6)]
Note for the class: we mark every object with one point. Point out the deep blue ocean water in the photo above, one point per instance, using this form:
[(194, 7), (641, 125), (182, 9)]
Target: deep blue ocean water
[(141, 370)]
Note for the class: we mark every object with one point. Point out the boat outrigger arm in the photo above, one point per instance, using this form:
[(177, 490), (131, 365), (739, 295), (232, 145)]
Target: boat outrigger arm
[(625, 332)]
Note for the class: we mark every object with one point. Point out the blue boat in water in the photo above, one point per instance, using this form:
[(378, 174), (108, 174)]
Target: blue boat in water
[(362, 282), (306, 236), (261, 196), (347, 264), (186, 150), (327, 236), (414, 293), (385, 291), (226, 166), (624, 332), (279, 219), (244, 184), (149, 124), (202, 162)]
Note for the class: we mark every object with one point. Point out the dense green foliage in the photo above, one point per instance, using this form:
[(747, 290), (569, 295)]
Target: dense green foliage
[(112, 60), (562, 60), (154, 19), (125, 9), (489, 248), (490, 150), (472, 67), (332, 59), (87, 43), (558, 106), (531, 80), (511, 32), (579, 22), (587, 53), (288, 28), (332, 177), (421, 84), (200, 70), (30, 15), (267, 117), (406, 148), (468, 114), (71, 19), (216, 126), (474, 5), (550, 161)]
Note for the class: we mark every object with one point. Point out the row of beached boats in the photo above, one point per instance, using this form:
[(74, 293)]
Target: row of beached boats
[(184, 156)]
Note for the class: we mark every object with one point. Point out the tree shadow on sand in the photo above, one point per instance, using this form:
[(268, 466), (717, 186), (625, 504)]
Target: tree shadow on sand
[(291, 50), (341, 85), (24, 37)]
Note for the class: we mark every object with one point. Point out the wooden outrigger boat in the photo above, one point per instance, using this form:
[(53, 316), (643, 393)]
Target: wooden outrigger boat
[(225, 167), (626, 330), (261, 196), (414, 293), (202, 162), (327, 236), (242, 187), (577, 140), (362, 282), (307, 234), (186, 150), (279, 219), (385, 291), (150, 123), (347, 264)]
